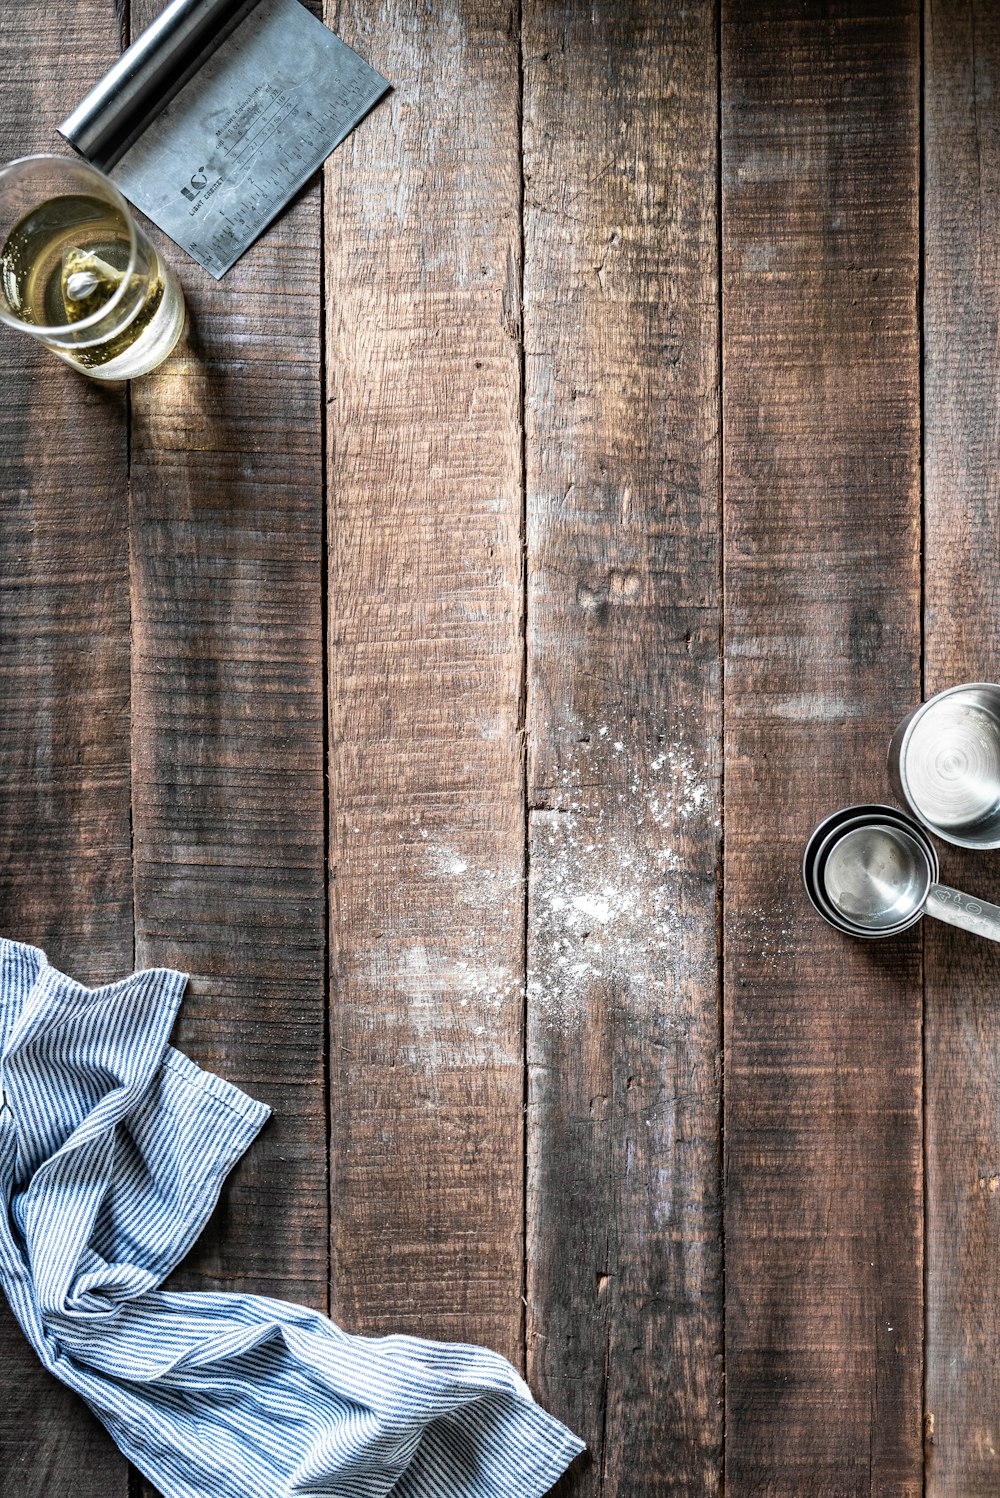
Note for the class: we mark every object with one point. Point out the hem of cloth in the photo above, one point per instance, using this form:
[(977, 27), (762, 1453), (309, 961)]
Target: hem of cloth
[(254, 1113), (542, 1469), (538, 1478), (248, 1117), (548, 1475)]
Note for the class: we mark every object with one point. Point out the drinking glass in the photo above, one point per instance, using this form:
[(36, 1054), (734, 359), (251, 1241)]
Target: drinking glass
[(78, 273)]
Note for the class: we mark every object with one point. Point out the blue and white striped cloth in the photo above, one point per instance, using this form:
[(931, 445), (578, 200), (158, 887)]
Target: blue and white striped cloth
[(113, 1149)]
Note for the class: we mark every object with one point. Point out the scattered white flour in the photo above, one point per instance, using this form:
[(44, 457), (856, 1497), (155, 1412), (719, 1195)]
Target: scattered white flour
[(622, 878), (435, 1038), (769, 936), (622, 906), (445, 862), (425, 974)]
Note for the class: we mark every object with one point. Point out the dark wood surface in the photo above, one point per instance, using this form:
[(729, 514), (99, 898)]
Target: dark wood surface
[(623, 718), (444, 658), (226, 526), (424, 668), (962, 976), (65, 866), (821, 442)]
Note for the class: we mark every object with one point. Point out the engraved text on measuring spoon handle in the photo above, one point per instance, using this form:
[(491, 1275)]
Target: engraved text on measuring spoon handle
[(962, 910)]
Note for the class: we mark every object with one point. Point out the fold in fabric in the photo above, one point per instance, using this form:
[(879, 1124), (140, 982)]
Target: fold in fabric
[(113, 1150)]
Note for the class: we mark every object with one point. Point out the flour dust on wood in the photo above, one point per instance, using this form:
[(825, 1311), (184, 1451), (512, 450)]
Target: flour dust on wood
[(611, 872)]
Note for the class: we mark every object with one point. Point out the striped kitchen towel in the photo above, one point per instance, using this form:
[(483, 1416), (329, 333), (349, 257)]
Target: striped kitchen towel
[(113, 1149)]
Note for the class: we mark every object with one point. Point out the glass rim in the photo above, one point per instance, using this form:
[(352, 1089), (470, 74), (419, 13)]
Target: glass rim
[(59, 330)]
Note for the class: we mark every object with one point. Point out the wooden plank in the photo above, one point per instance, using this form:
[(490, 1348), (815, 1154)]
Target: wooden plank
[(65, 864), (962, 643), (624, 720), (426, 828), (820, 166), (226, 534)]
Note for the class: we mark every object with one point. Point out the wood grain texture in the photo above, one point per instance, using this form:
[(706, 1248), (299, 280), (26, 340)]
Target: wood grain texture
[(426, 827), (624, 721), (525, 788), (820, 166), (962, 643), (65, 860), (227, 692)]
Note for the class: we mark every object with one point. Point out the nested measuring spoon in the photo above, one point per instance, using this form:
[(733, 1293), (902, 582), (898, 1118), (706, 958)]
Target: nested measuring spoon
[(874, 875)]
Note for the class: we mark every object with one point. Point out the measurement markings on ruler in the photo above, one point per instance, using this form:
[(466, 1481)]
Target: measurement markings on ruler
[(233, 146)]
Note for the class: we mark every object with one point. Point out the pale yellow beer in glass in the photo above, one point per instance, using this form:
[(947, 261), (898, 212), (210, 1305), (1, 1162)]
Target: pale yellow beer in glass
[(78, 273)]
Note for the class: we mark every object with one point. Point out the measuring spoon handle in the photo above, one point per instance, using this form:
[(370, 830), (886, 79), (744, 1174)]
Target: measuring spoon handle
[(962, 910)]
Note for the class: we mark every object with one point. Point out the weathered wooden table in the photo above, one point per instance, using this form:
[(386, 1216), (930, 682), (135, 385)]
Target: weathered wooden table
[(444, 658)]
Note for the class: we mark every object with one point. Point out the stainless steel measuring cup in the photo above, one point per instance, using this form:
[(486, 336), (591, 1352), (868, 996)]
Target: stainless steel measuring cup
[(944, 760), (829, 831), (872, 872)]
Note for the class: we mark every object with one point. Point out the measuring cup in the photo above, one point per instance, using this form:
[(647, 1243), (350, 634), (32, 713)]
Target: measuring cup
[(829, 831), (944, 760), (873, 875)]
